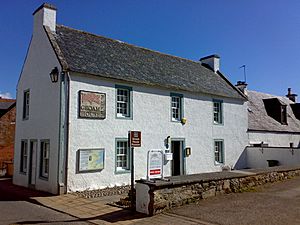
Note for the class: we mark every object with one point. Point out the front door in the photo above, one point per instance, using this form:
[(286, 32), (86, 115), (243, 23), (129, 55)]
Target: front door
[(178, 158), (32, 163)]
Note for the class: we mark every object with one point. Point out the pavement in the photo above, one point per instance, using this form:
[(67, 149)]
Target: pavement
[(277, 203)]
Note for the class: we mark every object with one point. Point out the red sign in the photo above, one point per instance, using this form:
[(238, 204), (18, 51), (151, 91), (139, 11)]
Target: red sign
[(135, 138), (154, 172)]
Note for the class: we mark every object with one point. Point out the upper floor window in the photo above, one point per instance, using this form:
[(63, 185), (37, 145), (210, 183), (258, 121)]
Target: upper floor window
[(26, 105), (122, 156), (219, 151), (24, 156), (176, 107), (283, 114), (123, 101), (44, 166), (218, 111)]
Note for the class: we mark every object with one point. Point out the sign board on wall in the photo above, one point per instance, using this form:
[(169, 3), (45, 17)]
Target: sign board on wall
[(90, 160), (135, 138), (155, 164), (92, 105)]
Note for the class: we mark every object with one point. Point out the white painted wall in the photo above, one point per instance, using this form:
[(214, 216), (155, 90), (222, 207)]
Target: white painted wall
[(43, 122), (257, 157), (274, 139), (151, 115)]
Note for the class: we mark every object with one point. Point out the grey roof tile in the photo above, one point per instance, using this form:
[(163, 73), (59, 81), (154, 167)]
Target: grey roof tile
[(259, 120), (83, 52)]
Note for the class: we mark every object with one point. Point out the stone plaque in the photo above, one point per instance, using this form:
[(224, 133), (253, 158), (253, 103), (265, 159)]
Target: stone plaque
[(92, 105)]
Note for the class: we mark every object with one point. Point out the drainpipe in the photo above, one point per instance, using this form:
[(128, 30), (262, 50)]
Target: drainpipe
[(63, 133)]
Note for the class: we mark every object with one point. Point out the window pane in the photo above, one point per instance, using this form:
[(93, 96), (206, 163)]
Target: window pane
[(122, 156)]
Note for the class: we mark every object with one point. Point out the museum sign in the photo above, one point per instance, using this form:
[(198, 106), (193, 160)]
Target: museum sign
[(92, 105)]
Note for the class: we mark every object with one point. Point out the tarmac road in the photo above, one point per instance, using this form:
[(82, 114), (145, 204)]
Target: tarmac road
[(16, 207), (277, 203)]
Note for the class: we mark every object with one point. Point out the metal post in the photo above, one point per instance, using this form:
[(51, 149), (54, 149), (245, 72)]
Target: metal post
[(132, 179)]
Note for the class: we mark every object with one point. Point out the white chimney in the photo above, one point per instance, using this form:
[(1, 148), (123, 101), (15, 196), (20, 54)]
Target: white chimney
[(45, 15), (213, 61)]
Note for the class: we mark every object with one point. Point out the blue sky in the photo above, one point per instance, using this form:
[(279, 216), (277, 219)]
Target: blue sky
[(263, 35)]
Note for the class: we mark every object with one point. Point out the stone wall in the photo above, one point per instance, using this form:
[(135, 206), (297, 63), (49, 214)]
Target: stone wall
[(172, 194)]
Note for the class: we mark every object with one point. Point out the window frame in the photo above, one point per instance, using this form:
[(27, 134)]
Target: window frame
[(130, 106), (181, 107), (128, 158), (24, 162), (222, 161), (26, 104), (283, 114), (43, 175), (221, 114)]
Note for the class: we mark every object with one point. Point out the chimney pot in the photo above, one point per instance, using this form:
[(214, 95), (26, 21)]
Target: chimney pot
[(291, 96), (242, 86)]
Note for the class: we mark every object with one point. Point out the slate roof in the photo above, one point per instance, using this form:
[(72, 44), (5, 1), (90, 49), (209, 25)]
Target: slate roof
[(87, 53), (6, 103), (259, 120)]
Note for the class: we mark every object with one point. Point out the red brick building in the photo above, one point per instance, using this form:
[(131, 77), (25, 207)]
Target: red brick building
[(7, 134)]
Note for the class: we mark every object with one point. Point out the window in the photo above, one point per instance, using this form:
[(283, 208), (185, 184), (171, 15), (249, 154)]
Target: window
[(176, 107), (218, 114), (122, 156), (44, 168), (283, 114), (123, 101), (219, 151), (26, 105), (24, 156)]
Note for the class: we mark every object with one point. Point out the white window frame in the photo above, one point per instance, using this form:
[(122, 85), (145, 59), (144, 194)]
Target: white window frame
[(219, 151), (218, 111), (26, 102), (122, 156), (24, 156), (123, 102), (176, 107), (45, 159)]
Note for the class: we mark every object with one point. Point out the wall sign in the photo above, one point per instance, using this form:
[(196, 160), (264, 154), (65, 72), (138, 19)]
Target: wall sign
[(155, 164), (90, 160), (92, 105), (135, 138)]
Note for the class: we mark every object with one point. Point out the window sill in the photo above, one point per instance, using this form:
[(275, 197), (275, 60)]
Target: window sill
[(122, 172), (43, 178)]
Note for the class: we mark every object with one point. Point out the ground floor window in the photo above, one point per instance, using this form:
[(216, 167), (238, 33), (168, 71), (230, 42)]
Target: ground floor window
[(24, 156), (219, 151), (122, 156), (44, 167)]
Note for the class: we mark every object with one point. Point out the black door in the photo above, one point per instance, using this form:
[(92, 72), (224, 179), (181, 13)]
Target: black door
[(176, 163)]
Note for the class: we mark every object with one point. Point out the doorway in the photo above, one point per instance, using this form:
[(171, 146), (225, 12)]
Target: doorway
[(32, 163), (177, 148)]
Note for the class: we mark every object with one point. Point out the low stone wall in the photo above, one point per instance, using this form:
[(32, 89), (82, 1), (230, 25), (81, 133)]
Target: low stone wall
[(177, 191)]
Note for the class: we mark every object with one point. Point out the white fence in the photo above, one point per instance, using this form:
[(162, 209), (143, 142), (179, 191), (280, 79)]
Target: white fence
[(257, 157)]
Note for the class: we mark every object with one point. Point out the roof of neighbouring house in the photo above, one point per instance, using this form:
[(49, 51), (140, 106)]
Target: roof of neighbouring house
[(6, 105), (87, 53), (259, 120)]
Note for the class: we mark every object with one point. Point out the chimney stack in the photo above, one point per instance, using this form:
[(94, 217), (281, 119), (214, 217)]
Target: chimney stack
[(291, 96), (242, 86), (213, 61), (45, 15)]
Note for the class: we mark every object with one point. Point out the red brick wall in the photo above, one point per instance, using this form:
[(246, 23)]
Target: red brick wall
[(7, 135)]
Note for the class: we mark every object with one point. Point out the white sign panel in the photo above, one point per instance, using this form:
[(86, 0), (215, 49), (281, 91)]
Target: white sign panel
[(155, 164)]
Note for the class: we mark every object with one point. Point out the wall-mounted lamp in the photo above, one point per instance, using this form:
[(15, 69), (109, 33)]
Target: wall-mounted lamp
[(183, 120), (54, 75)]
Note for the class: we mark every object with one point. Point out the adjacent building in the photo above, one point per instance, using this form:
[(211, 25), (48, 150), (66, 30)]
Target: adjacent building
[(71, 132), (7, 135)]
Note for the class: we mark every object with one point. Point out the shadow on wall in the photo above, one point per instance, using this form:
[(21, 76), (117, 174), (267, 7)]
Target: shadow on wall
[(262, 157), (242, 161)]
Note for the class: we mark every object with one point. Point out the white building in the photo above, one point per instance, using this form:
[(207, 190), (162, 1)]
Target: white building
[(105, 88)]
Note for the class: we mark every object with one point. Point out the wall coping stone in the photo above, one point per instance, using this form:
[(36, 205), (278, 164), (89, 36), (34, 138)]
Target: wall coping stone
[(214, 176)]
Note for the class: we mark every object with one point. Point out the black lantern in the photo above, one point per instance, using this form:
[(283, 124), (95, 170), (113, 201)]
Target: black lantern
[(54, 75)]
